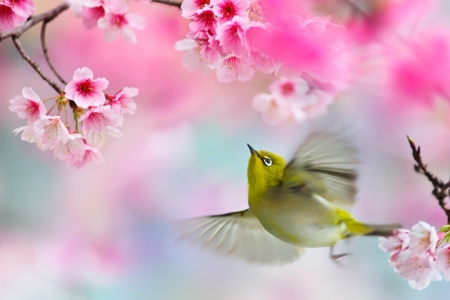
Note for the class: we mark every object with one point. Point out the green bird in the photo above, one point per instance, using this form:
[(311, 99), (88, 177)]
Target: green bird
[(291, 206)]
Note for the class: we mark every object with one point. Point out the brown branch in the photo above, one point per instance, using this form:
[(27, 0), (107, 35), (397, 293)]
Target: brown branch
[(440, 189), (45, 50), (48, 15), (176, 3), (34, 65)]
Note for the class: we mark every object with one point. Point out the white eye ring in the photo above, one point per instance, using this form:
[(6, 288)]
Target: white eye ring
[(267, 161)]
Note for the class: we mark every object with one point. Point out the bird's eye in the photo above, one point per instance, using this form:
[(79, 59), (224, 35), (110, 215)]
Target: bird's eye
[(267, 161)]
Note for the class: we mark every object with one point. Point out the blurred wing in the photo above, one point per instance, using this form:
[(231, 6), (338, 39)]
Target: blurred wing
[(333, 160), (241, 235)]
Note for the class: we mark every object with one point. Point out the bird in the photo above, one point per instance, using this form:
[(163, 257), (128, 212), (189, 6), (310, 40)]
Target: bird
[(292, 206)]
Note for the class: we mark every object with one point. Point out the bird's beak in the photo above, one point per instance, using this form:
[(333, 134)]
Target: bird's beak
[(253, 151)]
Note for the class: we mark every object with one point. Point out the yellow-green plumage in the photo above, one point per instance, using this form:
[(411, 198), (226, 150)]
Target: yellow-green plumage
[(291, 206)]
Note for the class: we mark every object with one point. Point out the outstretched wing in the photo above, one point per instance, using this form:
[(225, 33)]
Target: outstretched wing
[(241, 235), (333, 160)]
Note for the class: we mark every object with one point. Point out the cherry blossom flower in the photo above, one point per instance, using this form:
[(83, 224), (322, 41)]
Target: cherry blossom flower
[(443, 261), (231, 36), (91, 12), (30, 136), (9, 19), (72, 150), (123, 102), (423, 238), (204, 20), (418, 269), (188, 7), (233, 68), (192, 59), (84, 90), (291, 100), (118, 20), (97, 118), (91, 154), (208, 46), (396, 242), (100, 139), (226, 10), (28, 105), (51, 131), (418, 255), (23, 8)]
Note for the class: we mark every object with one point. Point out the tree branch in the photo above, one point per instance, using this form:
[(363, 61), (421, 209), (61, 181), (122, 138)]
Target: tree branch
[(48, 15), (34, 65), (176, 3), (440, 189), (44, 49)]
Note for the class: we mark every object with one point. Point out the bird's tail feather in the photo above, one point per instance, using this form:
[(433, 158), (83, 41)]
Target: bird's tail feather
[(382, 230), (357, 228)]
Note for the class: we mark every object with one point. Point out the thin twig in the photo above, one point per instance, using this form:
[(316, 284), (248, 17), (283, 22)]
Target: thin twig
[(48, 15), (34, 65), (47, 58), (176, 3), (440, 189)]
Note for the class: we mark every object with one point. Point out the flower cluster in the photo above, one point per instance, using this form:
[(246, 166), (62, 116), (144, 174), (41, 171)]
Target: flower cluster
[(291, 99), (14, 13), (100, 116), (235, 38), (419, 255), (110, 15)]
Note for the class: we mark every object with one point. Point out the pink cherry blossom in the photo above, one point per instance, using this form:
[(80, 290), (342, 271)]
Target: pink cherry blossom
[(91, 154), (72, 150), (123, 102), (231, 36), (419, 270), (100, 139), (97, 118), (396, 242), (233, 68), (188, 7), (272, 113), (204, 20), (84, 90), (28, 105), (9, 19), (118, 20), (423, 238), (30, 136), (51, 131), (192, 59), (226, 10), (291, 100), (207, 45), (23, 8), (91, 12), (443, 261)]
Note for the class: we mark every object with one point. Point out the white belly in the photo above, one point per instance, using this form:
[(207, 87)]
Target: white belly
[(302, 222)]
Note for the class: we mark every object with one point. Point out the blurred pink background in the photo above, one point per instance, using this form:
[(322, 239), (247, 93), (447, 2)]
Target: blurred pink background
[(105, 231)]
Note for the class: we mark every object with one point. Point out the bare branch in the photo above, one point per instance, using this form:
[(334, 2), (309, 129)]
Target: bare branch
[(35, 65), (48, 15), (176, 3), (440, 189), (47, 58)]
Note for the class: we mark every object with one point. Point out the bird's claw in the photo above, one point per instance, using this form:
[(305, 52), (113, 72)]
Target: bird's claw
[(336, 257)]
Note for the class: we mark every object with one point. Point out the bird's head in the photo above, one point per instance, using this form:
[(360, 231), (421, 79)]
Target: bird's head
[(265, 169)]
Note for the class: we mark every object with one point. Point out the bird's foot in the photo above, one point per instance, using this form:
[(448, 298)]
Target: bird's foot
[(336, 257)]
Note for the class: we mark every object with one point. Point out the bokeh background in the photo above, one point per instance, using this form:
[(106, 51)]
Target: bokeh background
[(105, 231)]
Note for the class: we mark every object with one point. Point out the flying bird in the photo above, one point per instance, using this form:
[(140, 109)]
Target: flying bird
[(301, 204)]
